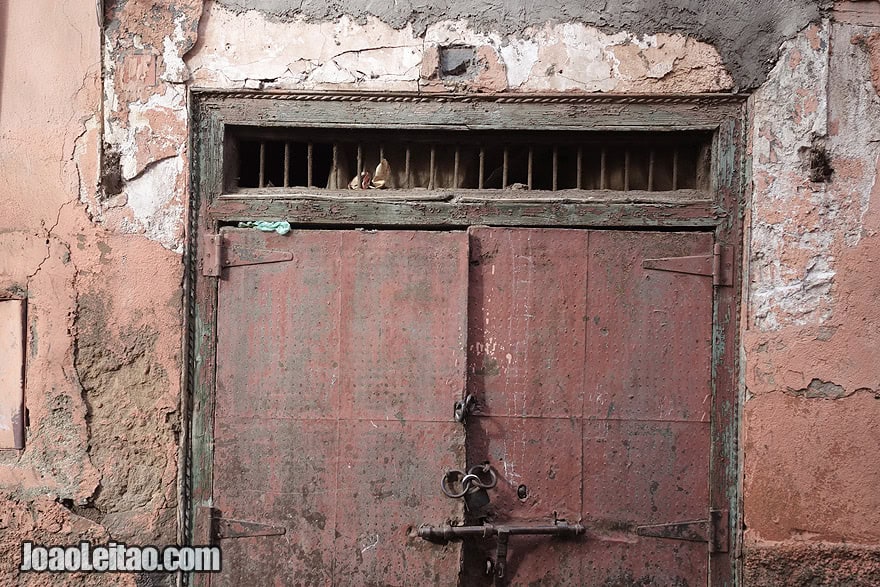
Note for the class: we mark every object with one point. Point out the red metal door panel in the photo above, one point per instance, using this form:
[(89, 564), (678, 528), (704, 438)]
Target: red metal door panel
[(592, 379), (336, 377), (387, 484), (526, 340), (650, 332), (527, 321), (337, 372), (663, 467), (279, 472), (647, 403)]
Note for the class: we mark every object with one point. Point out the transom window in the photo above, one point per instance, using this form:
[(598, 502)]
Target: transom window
[(394, 159)]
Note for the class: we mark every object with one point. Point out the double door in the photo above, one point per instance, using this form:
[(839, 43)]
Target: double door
[(338, 369)]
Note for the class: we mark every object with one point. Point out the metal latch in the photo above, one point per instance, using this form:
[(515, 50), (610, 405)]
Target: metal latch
[(463, 408), (443, 534), (713, 531), (216, 256), (718, 265)]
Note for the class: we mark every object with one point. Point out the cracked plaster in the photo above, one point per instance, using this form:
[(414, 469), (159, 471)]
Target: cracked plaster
[(810, 307), (811, 321)]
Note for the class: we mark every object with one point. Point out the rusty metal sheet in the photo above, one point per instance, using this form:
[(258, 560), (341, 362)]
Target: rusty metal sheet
[(389, 484), (336, 377), (278, 331), (280, 472), (539, 480), (526, 324), (638, 472), (526, 353), (540, 454), (593, 387), (626, 562), (404, 322), (649, 333)]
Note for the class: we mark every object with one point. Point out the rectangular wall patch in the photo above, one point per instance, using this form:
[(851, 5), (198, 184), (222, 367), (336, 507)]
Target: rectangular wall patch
[(12, 342)]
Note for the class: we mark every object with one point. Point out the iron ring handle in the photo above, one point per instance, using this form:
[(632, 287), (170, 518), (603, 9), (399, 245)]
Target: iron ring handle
[(448, 491), (470, 483), (485, 468)]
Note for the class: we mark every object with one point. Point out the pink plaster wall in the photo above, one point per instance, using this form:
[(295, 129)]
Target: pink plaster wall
[(95, 247), (104, 318), (811, 423)]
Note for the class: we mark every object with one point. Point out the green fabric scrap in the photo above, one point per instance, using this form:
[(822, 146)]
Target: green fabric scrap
[(279, 226)]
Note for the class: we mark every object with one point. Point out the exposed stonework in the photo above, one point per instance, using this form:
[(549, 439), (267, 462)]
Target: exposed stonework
[(812, 565), (145, 126), (86, 473), (130, 387), (44, 521), (811, 241)]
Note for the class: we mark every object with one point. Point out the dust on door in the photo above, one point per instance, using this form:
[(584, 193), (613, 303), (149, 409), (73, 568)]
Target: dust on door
[(337, 373)]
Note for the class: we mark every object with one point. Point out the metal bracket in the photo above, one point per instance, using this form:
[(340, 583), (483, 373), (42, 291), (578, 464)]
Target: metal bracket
[(714, 531), (218, 528), (225, 528), (216, 256), (718, 265)]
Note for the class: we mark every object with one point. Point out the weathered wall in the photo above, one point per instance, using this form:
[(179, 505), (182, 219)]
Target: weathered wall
[(747, 33), (103, 359), (812, 327), (94, 189)]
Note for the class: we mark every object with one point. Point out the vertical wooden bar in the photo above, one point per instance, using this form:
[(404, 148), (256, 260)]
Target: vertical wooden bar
[(336, 166), (261, 182), (626, 170), (406, 169), (602, 170), (455, 169), (580, 167), (287, 164), (310, 162), (651, 171), (431, 167), (555, 168), (531, 164), (675, 169), (504, 169), (360, 166), (482, 167)]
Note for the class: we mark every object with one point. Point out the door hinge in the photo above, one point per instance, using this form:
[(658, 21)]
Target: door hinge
[(715, 530), (718, 265), (223, 528), (216, 256)]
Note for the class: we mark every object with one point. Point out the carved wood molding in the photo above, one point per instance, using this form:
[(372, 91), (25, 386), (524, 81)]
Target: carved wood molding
[(506, 98)]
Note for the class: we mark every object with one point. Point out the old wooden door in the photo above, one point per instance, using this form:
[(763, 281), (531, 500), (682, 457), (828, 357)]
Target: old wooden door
[(337, 372)]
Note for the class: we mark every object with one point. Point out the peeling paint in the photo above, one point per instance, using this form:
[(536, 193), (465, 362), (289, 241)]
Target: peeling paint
[(372, 54), (94, 201), (812, 325)]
